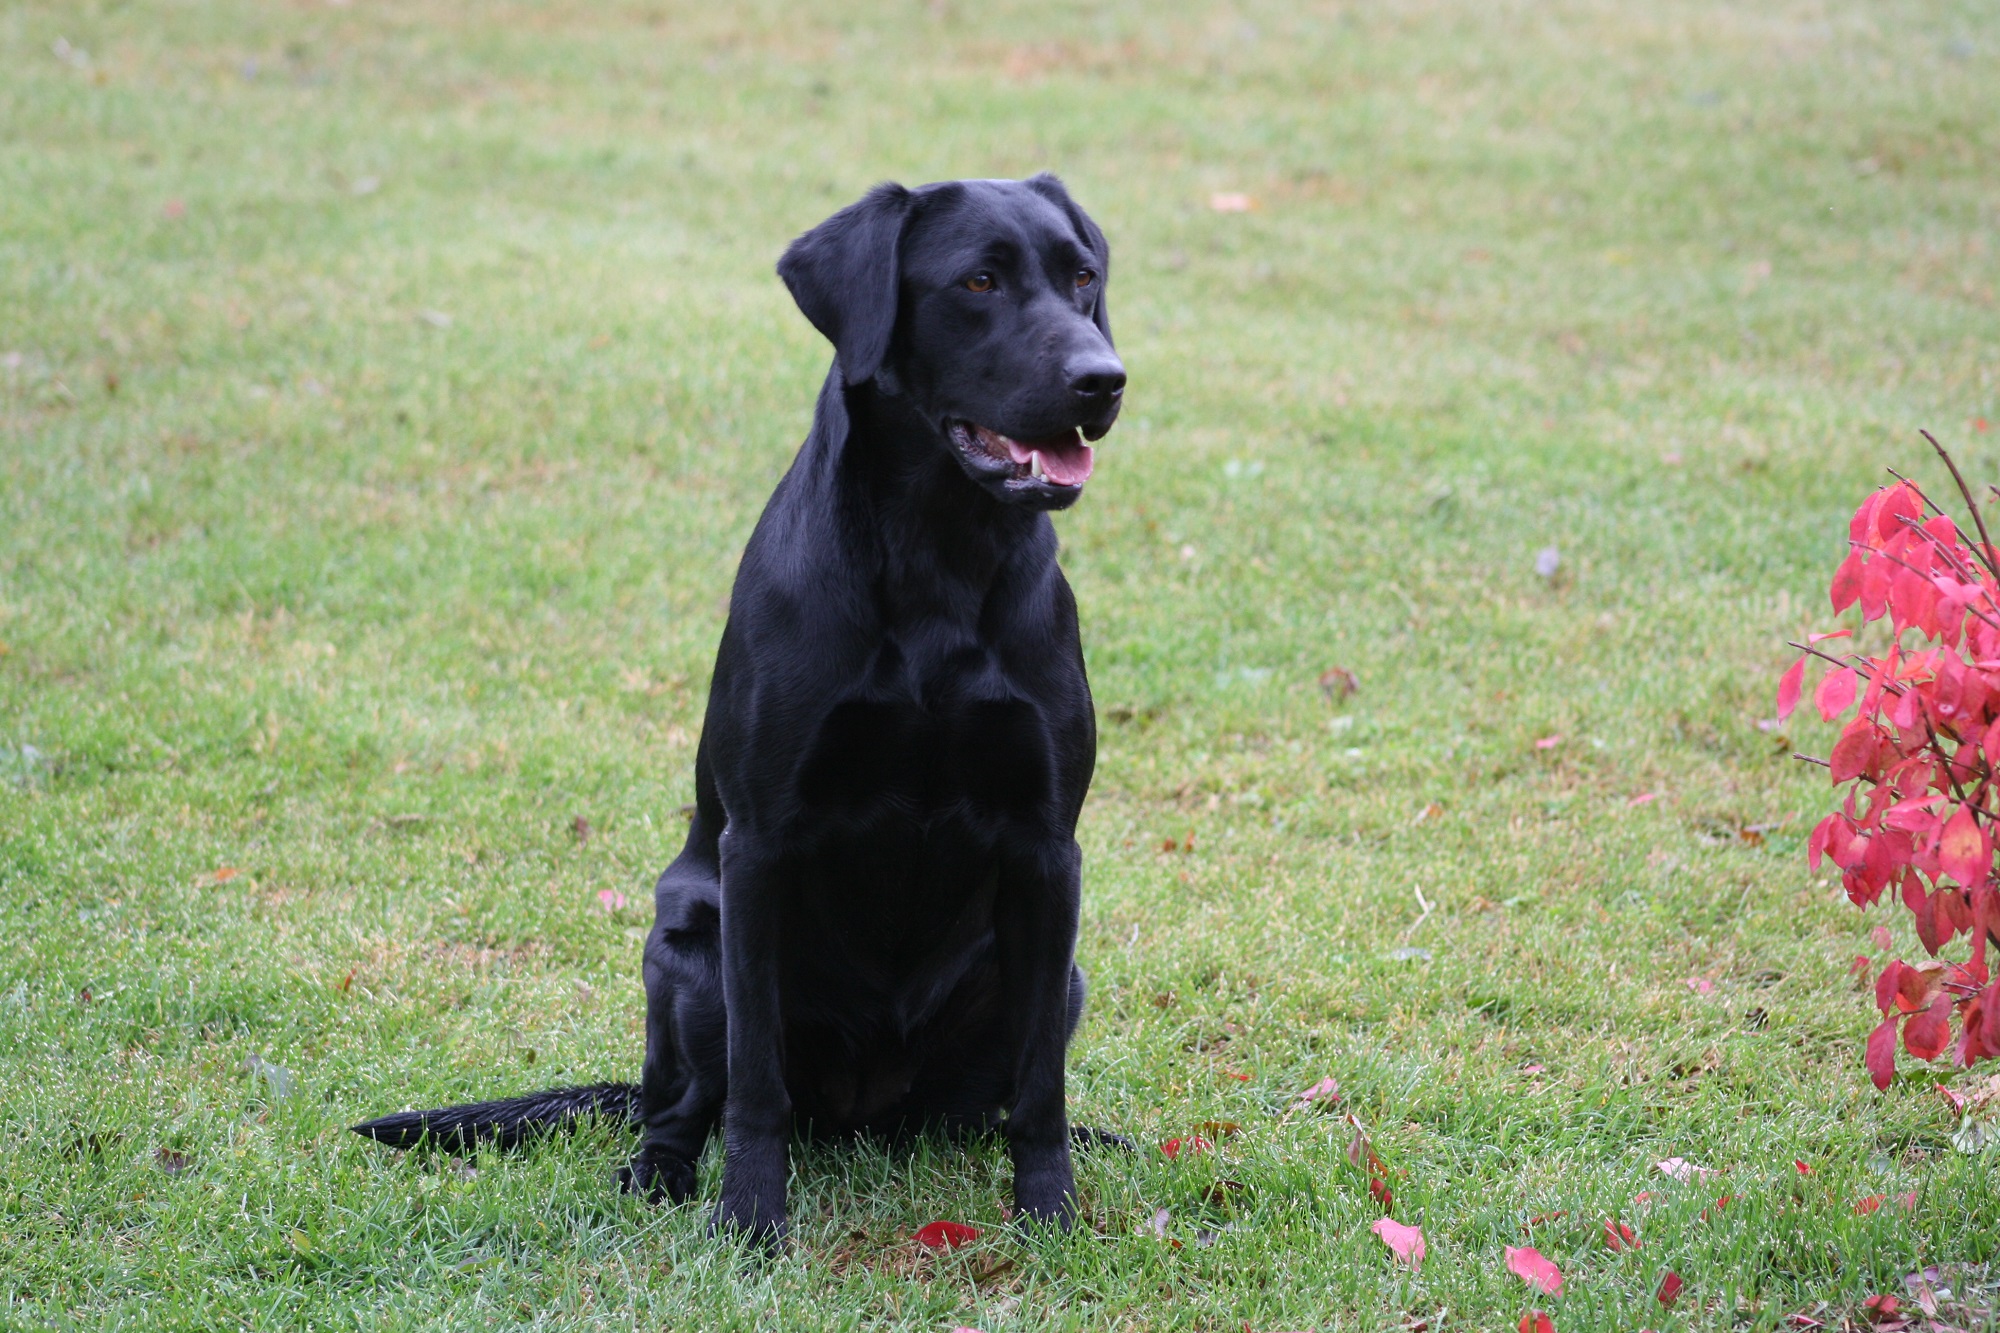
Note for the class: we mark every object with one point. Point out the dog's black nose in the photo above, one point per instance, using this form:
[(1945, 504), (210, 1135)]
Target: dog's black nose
[(1100, 378)]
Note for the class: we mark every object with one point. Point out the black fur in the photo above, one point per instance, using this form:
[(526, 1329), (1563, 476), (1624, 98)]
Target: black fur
[(871, 927), (504, 1124)]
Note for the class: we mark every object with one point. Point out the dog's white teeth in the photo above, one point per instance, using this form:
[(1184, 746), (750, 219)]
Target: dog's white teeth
[(1035, 465)]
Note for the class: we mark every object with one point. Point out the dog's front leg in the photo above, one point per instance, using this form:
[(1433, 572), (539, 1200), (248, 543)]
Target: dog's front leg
[(757, 1115), (1035, 921)]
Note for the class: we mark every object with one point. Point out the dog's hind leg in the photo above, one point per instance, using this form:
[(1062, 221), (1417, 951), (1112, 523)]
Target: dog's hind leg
[(685, 1078)]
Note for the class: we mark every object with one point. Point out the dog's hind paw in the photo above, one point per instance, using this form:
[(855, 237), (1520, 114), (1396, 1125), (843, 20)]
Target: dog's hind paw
[(658, 1177), (1089, 1137)]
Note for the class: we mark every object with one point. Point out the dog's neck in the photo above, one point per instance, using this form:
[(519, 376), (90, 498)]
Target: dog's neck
[(926, 516)]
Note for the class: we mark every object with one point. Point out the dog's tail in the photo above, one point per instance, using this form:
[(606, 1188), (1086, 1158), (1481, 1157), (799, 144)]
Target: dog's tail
[(504, 1124)]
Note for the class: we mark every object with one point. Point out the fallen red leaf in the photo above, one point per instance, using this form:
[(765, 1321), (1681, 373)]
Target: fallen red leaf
[(1548, 742), (1908, 1202), (1670, 1288), (1535, 1321), (1540, 1218), (1193, 1143), (1881, 1306), (1326, 1092), (1955, 1100), (1526, 1263), (1406, 1243), (1868, 1205), (1804, 1170), (1222, 1129), (1700, 985), (1680, 1168), (1378, 1189), (1618, 1236), (945, 1235), (1880, 935)]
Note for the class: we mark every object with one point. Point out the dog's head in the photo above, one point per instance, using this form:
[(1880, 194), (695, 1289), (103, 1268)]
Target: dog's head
[(982, 302)]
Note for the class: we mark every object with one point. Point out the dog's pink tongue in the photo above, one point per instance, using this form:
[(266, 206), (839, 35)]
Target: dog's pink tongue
[(1066, 459)]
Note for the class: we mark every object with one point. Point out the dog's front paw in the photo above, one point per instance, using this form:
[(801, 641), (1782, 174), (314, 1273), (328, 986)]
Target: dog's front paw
[(661, 1177), (1046, 1196), (765, 1226)]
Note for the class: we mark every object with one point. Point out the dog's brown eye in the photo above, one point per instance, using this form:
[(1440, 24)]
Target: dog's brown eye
[(979, 282), (1085, 276)]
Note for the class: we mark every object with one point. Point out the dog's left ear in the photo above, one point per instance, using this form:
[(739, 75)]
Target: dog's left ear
[(845, 273), (1050, 187)]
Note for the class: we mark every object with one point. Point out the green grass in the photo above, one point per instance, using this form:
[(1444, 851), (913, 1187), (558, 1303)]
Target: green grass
[(386, 392)]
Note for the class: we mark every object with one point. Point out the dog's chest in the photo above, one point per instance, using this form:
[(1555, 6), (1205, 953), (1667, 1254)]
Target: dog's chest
[(980, 753)]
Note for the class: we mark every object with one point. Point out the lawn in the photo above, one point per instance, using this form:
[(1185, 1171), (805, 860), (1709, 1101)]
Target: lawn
[(386, 393)]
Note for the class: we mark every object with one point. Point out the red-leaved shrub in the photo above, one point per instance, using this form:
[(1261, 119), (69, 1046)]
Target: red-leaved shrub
[(1918, 760)]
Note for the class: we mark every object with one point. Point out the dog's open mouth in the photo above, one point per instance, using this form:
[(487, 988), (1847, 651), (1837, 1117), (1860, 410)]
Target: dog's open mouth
[(1057, 460)]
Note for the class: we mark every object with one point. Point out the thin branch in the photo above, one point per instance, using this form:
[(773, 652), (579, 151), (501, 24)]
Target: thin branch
[(1978, 519), (1810, 760), (1859, 667)]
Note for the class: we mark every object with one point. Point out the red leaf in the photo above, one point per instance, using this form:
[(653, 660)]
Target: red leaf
[(1835, 693), (1789, 685), (1963, 851), (1887, 983), (1846, 588), (1861, 528), (1875, 577), (1908, 1202), (1881, 1306), (1326, 1092), (1194, 1143), (1898, 502), (1863, 1207), (1881, 1053), (1378, 1189), (1803, 1169), (1926, 1035), (1535, 1321), (945, 1235), (1881, 937), (1854, 753), (1670, 1289), (1527, 1264), (1406, 1243), (1618, 1236), (1955, 1100)]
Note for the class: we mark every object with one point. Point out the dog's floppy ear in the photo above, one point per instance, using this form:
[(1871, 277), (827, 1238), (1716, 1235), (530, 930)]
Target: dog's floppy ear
[(844, 275), (1050, 187)]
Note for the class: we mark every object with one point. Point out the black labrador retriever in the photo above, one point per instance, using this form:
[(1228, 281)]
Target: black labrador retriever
[(873, 924)]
